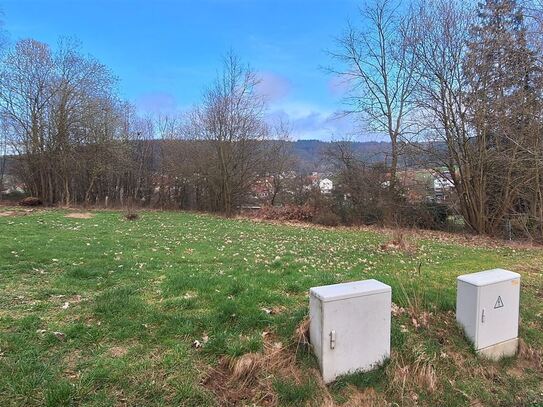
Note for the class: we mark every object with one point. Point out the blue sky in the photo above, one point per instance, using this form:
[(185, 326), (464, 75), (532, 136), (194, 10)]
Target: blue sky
[(165, 52)]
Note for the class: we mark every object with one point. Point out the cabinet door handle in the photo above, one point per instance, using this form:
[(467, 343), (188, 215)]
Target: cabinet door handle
[(332, 339), (483, 316)]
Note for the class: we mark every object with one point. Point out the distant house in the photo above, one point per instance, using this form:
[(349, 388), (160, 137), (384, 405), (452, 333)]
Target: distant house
[(326, 186), (443, 184), (425, 184), (318, 182), (414, 183), (11, 185), (262, 188)]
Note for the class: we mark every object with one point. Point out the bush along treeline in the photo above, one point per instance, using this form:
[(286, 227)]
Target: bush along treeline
[(456, 87)]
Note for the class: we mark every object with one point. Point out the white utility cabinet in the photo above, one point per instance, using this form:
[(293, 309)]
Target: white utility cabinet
[(487, 308), (350, 326)]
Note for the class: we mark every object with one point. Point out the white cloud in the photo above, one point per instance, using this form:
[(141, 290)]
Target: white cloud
[(272, 86), (309, 121)]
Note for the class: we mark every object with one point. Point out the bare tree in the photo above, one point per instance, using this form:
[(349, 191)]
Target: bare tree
[(63, 118), (26, 93), (504, 104), (279, 162), (3, 129), (380, 71), (171, 159), (359, 184), (3, 157), (439, 42), (81, 89), (231, 121)]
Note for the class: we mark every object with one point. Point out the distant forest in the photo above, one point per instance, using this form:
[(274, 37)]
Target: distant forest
[(310, 155)]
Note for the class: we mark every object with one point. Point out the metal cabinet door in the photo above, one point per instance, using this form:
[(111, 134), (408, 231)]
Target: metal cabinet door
[(498, 313), (356, 333)]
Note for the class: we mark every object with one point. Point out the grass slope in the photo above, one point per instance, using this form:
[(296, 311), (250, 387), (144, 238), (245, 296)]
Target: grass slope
[(104, 311)]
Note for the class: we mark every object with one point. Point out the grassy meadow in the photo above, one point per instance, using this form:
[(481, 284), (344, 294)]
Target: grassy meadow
[(182, 309)]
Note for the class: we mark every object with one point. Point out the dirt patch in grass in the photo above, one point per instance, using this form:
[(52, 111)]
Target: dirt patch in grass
[(70, 363), (66, 301), (80, 215), (242, 380), (12, 213), (398, 243), (118, 351)]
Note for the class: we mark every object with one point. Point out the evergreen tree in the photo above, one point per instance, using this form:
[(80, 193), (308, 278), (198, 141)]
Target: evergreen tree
[(503, 97)]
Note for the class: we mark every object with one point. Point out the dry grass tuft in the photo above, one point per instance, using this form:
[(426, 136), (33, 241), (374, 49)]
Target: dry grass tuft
[(420, 319), (245, 368), (301, 335), (425, 376), (248, 379), (530, 357), (408, 378), (237, 381), (367, 397)]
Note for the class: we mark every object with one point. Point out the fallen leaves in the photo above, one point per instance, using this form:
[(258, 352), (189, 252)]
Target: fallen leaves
[(273, 310), (197, 344), (420, 319), (397, 310)]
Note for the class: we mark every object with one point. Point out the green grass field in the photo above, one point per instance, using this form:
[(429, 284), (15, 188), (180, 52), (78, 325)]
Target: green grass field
[(105, 312)]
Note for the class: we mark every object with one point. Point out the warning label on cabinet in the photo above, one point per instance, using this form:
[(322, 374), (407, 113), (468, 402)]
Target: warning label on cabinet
[(499, 302)]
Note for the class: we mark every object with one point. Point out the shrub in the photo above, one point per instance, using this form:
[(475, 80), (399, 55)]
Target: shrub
[(14, 196), (327, 218), (130, 213), (424, 215), (131, 216), (301, 213), (31, 201)]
